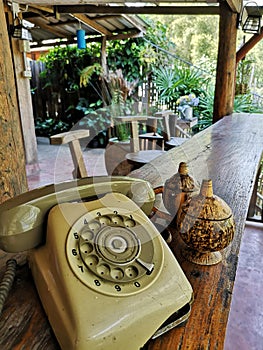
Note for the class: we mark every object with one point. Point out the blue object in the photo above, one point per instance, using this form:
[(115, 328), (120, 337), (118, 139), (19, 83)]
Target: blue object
[(81, 39)]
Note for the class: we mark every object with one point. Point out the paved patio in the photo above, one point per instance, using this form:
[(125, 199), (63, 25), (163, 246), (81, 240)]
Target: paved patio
[(56, 164)]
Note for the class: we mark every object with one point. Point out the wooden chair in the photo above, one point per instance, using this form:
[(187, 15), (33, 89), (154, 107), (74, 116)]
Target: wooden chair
[(151, 139), (138, 155), (120, 158), (181, 135), (72, 138)]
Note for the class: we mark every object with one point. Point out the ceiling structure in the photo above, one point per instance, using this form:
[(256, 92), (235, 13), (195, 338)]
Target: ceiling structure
[(49, 24), (57, 19)]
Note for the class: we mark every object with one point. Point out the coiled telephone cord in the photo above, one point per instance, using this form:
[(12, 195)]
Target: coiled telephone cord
[(7, 281)]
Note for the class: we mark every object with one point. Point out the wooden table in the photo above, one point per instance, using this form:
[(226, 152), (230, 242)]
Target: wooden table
[(229, 153), (143, 157)]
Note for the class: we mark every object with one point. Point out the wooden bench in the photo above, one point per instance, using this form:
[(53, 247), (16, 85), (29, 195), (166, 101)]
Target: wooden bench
[(229, 153)]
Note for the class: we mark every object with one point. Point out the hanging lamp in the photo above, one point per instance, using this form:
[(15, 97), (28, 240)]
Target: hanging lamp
[(250, 18)]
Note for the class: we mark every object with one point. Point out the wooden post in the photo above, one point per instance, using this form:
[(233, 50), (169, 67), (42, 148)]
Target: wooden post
[(13, 179), (25, 107), (226, 63)]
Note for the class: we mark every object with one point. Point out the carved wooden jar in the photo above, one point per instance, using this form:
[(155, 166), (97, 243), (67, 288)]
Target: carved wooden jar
[(206, 225), (178, 189)]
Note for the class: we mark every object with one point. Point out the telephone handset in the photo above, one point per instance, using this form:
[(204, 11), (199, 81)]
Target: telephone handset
[(105, 276), (22, 218)]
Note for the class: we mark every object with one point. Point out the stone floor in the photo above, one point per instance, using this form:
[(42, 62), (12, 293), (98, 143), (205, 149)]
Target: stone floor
[(245, 326)]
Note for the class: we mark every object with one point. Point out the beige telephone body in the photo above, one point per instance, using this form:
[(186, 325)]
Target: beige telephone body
[(105, 276)]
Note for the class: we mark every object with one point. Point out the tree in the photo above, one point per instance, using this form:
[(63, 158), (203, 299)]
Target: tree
[(195, 38)]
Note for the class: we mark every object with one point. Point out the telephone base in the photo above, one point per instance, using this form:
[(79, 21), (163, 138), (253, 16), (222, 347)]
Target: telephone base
[(108, 277), (176, 319)]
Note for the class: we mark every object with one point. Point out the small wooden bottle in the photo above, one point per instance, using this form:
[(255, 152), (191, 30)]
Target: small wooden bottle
[(178, 189)]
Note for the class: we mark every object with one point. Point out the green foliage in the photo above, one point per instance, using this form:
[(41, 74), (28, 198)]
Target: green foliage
[(179, 81), (125, 55), (242, 104), (64, 87), (49, 127), (87, 72), (206, 108), (244, 76), (63, 66)]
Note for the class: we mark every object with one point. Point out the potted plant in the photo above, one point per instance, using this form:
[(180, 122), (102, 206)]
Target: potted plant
[(185, 106)]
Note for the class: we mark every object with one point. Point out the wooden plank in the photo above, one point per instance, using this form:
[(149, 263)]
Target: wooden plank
[(69, 136), (78, 160), (93, 24), (72, 138)]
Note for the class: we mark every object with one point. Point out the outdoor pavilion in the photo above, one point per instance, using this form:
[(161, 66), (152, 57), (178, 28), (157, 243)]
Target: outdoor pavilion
[(229, 132)]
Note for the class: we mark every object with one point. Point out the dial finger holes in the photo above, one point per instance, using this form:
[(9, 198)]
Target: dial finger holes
[(104, 220), (117, 274), (129, 223), (94, 225), (91, 260), (103, 270), (131, 272), (86, 234), (117, 220), (86, 248)]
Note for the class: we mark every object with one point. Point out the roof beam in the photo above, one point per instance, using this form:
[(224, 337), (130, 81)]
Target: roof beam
[(159, 10), (235, 5), (84, 19), (241, 53)]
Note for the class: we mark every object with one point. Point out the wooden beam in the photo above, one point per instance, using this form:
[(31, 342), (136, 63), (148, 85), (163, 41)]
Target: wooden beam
[(131, 34), (95, 2), (159, 10), (22, 69), (134, 22), (68, 41), (56, 30), (235, 5), (241, 53), (226, 63), (84, 19)]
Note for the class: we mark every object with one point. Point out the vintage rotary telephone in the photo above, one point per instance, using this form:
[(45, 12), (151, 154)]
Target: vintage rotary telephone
[(105, 276)]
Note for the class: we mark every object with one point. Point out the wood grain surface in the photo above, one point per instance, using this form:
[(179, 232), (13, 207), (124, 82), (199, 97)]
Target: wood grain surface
[(229, 153)]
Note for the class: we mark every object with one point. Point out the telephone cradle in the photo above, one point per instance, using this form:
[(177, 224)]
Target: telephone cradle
[(104, 274)]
